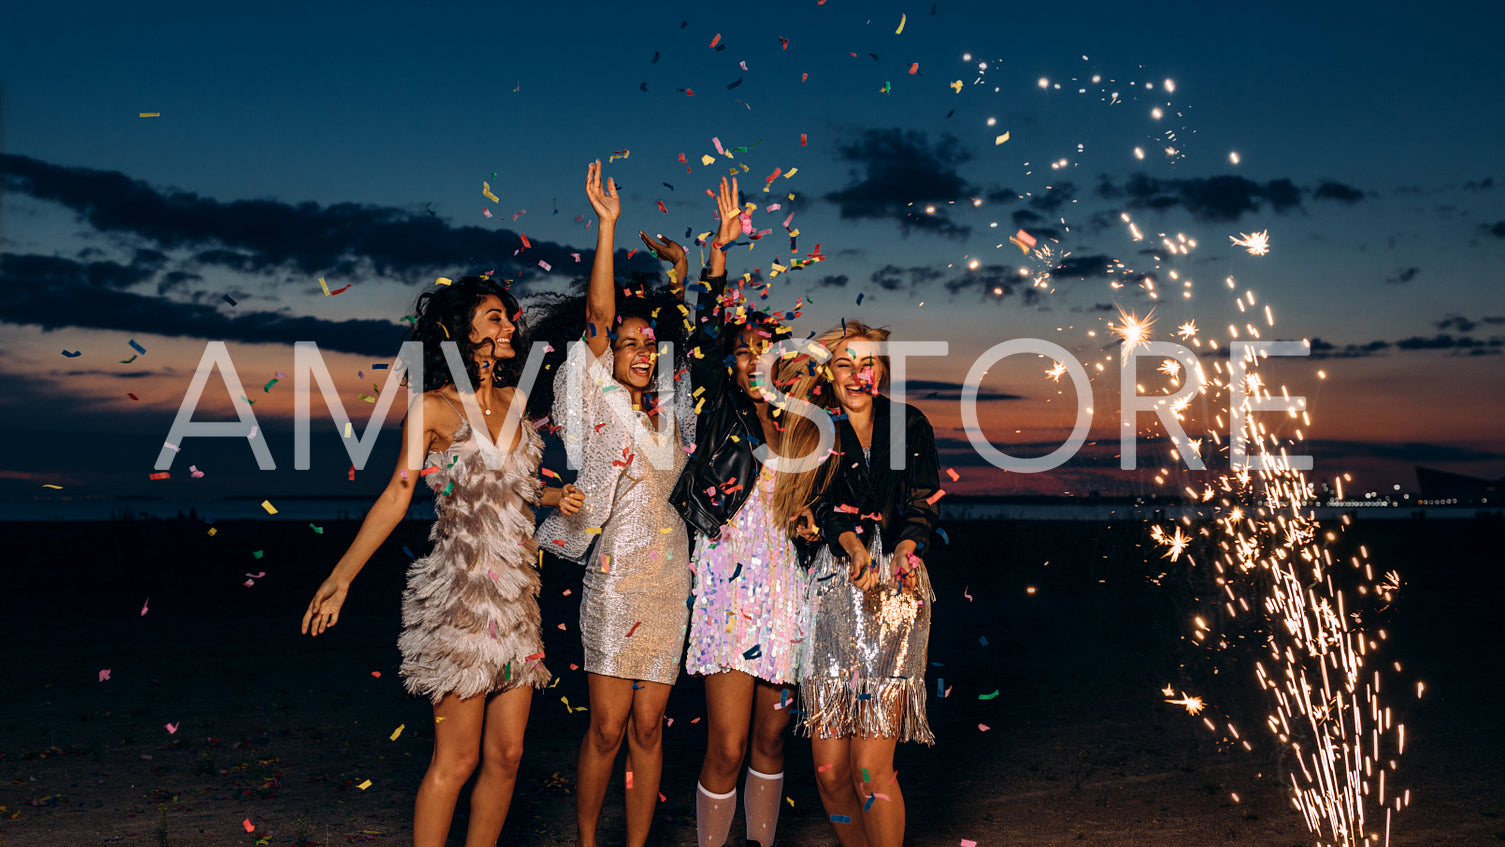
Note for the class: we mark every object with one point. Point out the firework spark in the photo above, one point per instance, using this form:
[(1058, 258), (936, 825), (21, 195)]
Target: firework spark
[(1257, 243)]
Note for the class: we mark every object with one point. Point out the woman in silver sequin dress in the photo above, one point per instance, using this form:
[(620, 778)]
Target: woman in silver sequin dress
[(629, 451), (863, 689), (470, 639)]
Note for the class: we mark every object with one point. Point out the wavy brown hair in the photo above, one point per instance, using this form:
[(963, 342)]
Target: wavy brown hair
[(794, 492)]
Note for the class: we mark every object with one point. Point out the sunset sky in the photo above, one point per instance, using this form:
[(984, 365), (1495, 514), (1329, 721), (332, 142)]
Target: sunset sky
[(350, 143)]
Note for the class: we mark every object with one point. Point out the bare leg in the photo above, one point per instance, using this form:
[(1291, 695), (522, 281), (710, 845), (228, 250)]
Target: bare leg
[(457, 749), (835, 784), (502, 749), (728, 705), (645, 745), (610, 705), (884, 820), (764, 792)]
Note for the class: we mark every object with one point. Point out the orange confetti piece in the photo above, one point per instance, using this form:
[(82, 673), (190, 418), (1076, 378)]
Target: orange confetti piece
[(939, 493), (716, 40)]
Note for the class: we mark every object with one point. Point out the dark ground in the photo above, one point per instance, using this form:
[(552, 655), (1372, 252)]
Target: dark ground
[(280, 730)]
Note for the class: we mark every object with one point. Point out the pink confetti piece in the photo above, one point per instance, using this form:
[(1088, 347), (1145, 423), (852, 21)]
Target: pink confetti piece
[(669, 720), (968, 843), (545, 265), (576, 256), (983, 727), (629, 780), (104, 674), (519, 213), (947, 694), (248, 583), (193, 471), (376, 674), (966, 593), (144, 605), (742, 64), (486, 212), (716, 142), (172, 728)]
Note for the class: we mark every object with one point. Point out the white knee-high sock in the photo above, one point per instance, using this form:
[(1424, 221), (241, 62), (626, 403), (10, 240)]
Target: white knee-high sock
[(713, 816), (760, 804)]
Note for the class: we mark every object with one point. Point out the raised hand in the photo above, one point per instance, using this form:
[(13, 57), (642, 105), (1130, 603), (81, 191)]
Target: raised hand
[(805, 527), (730, 211), (605, 201), (664, 248)]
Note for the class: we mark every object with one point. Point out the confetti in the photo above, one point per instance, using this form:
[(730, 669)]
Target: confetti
[(162, 475), (324, 285), (486, 190), (144, 605), (137, 347), (983, 727), (172, 728), (939, 493), (74, 355), (629, 774), (104, 674), (634, 628), (903, 18), (270, 509), (151, 114), (987, 696), (363, 786), (841, 819), (250, 827), (983, 640), (398, 731), (997, 141)]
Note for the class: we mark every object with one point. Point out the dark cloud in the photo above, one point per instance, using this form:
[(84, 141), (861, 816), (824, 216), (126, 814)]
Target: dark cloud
[(995, 283), (1403, 275), (1215, 199), (55, 293), (901, 172), (1087, 266), (269, 236), (1462, 324), (1327, 350), (1054, 198), (1444, 341), (937, 389), (1480, 185), (1497, 229), (1034, 223), (1330, 190), (832, 281), (894, 278)]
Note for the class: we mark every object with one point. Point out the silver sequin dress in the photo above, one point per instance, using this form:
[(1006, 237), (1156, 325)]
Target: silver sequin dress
[(470, 611), (637, 578), (864, 669)]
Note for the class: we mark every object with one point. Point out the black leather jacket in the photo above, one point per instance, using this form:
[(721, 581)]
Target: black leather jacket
[(900, 500), (726, 426)]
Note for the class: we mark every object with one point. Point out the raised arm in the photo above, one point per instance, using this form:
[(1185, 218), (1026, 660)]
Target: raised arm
[(601, 296), (388, 510), (730, 212)]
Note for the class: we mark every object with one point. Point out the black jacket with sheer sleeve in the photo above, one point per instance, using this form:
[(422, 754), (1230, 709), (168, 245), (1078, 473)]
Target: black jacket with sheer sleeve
[(899, 498), (722, 471)]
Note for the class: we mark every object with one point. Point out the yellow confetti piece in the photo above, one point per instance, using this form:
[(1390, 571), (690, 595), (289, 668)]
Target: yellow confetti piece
[(324, 285), (398, 731), (151, 114), (1000, 139), (903, 19), (707, 159), (443, 280), (792, 172), (486, 190), (439, 720), (213, 532), (349, 430), (665, 530), (957, 86), (363, 786), (54, 487), (593, 530), (267, 504)]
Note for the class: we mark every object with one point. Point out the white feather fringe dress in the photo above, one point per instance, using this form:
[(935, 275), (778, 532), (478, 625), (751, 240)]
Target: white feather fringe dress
[(470, 612)]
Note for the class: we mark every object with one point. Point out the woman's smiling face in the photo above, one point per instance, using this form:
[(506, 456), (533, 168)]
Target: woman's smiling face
[(855, 373), (634, 353)]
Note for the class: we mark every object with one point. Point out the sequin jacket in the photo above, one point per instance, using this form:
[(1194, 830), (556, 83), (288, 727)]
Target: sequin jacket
[(721, 473), (899, 499)]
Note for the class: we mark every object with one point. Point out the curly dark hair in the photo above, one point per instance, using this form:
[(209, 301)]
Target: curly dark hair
[(562, 322), (445, 312)]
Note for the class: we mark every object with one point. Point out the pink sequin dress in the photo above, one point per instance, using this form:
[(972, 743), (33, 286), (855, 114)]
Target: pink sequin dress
[(750, 612)]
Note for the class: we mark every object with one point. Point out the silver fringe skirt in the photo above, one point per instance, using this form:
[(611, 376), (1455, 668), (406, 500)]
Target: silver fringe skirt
[(864, 662)]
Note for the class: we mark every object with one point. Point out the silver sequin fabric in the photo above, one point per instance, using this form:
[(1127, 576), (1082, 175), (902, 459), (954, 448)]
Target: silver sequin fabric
[(633, 543), (864, 669), (470, 610), (751, 607)]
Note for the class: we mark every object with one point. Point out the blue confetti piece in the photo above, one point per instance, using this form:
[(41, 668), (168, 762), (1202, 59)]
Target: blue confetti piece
[(379, 366), (940, 687), (937, 665), (859, 298), (230, 300), (864, 697), (74, 355), (736, 573), (869, 805), (983, 640), (942, 533), (841, 819), (137, 347), (408, 553), (753, 652)]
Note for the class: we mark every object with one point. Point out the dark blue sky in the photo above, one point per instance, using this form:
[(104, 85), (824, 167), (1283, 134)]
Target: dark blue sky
[(296, 143)]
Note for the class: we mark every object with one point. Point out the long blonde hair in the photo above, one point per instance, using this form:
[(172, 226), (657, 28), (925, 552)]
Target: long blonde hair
[(794, 492)]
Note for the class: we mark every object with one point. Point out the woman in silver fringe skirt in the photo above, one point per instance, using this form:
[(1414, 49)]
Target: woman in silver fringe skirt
[(863, 688)]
